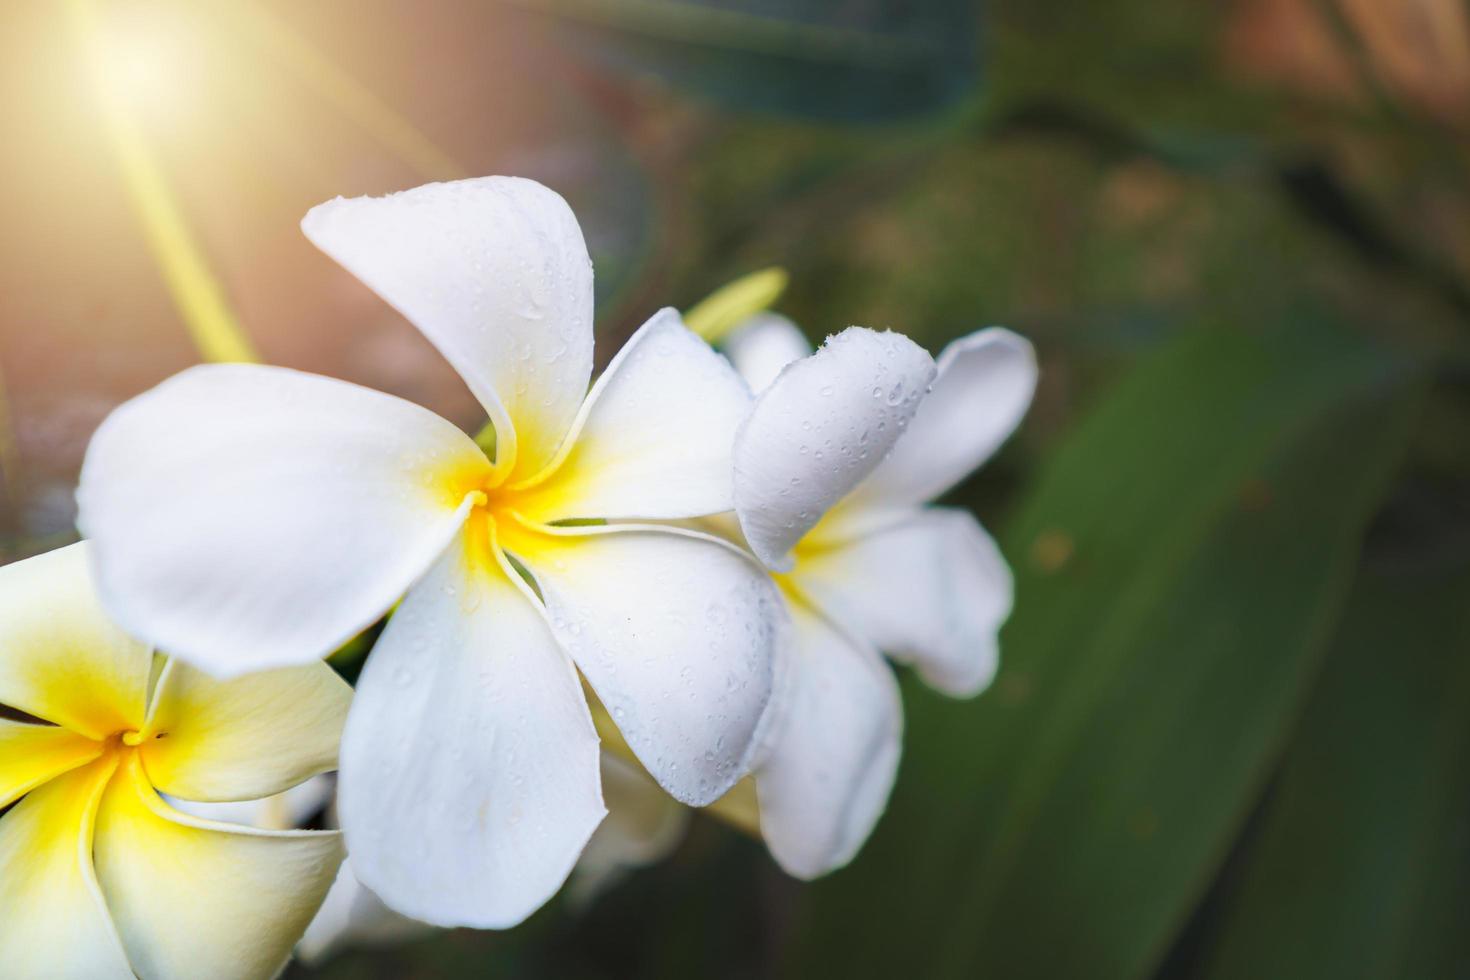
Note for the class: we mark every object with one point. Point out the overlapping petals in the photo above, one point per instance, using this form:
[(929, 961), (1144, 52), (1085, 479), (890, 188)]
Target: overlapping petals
[(469, 771), (675, 634), (56, 923), (982, 390), (827, 782), (652, 441), (763, 345), (193, 898), (495, 273), (100, 684), (931, 590), (219, 731), (249, 517), (99, 876), (853, 546), (817, 432), (469, 766)]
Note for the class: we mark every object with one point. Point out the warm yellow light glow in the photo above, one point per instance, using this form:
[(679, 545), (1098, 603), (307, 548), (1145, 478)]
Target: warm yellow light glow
[(353, 99), (124, 70)]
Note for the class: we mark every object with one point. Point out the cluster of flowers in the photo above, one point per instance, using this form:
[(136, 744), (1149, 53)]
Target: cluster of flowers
[(700, 575)]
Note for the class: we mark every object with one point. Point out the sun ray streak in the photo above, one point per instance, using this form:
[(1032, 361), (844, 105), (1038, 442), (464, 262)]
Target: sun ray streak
[(356, 101), (195, 291)]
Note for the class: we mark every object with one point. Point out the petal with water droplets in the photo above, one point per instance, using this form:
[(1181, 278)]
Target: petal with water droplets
[(469, 766), (822, 426), (247, 517), (654, 440), (677, 633), (763, 345), (495, 273), (981, 393)]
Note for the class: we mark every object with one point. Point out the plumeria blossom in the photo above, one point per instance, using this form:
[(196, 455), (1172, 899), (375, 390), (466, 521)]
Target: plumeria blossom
[(100, 877), (833, 469), (247, 517)]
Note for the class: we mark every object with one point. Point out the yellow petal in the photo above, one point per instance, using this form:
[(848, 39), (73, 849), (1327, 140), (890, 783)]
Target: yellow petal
[(246, 738), (52, 920), (193, 898), (61, 658), (32, 754)]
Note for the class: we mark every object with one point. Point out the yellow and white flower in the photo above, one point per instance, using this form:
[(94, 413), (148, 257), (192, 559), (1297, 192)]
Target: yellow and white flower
[(247, 517), (99, 876), (832, 471)]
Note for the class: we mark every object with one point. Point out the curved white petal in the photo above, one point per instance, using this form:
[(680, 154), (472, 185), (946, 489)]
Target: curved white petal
[(827, 781), (192, 898), (32, 754), (246, 738), (353, 916), (677, 633), (644, 825), (53, 922), (655, 436), (819, 429), (980, 395), (248, 517), (61, 657), (495, 273), (469, 766), (932, 591), (763, 345)]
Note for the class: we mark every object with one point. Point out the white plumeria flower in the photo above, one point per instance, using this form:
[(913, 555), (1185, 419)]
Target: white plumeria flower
[(832, 471), (101, 877), (247, 517)]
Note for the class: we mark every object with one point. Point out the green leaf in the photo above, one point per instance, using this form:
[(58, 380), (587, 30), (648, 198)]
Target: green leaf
[(1358, 868), (849, 61), (1179, 568)]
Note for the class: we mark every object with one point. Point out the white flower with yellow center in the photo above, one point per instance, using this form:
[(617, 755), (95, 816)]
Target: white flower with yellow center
[(832, 471), (99, 876), (247, 517)]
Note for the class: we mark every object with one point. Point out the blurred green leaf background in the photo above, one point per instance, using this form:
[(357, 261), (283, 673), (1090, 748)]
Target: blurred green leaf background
[(1230, 735)]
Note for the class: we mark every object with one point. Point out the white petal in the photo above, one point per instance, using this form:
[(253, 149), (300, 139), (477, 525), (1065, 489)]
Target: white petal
[(982, 391), (655, 437), (932, 591), (63, 659), (248, 517), (495, 273), (677, 633), (644, 825), (53, 923), (243, 739), (819, 429), (353, 916), (193, 898), (469, 779), (763, 345), (827, 782)]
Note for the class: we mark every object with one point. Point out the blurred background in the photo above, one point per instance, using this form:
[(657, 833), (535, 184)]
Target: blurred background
[(1231, 733)]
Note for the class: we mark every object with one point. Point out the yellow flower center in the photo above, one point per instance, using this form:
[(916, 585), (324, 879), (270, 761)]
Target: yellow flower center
[(504, 513)]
